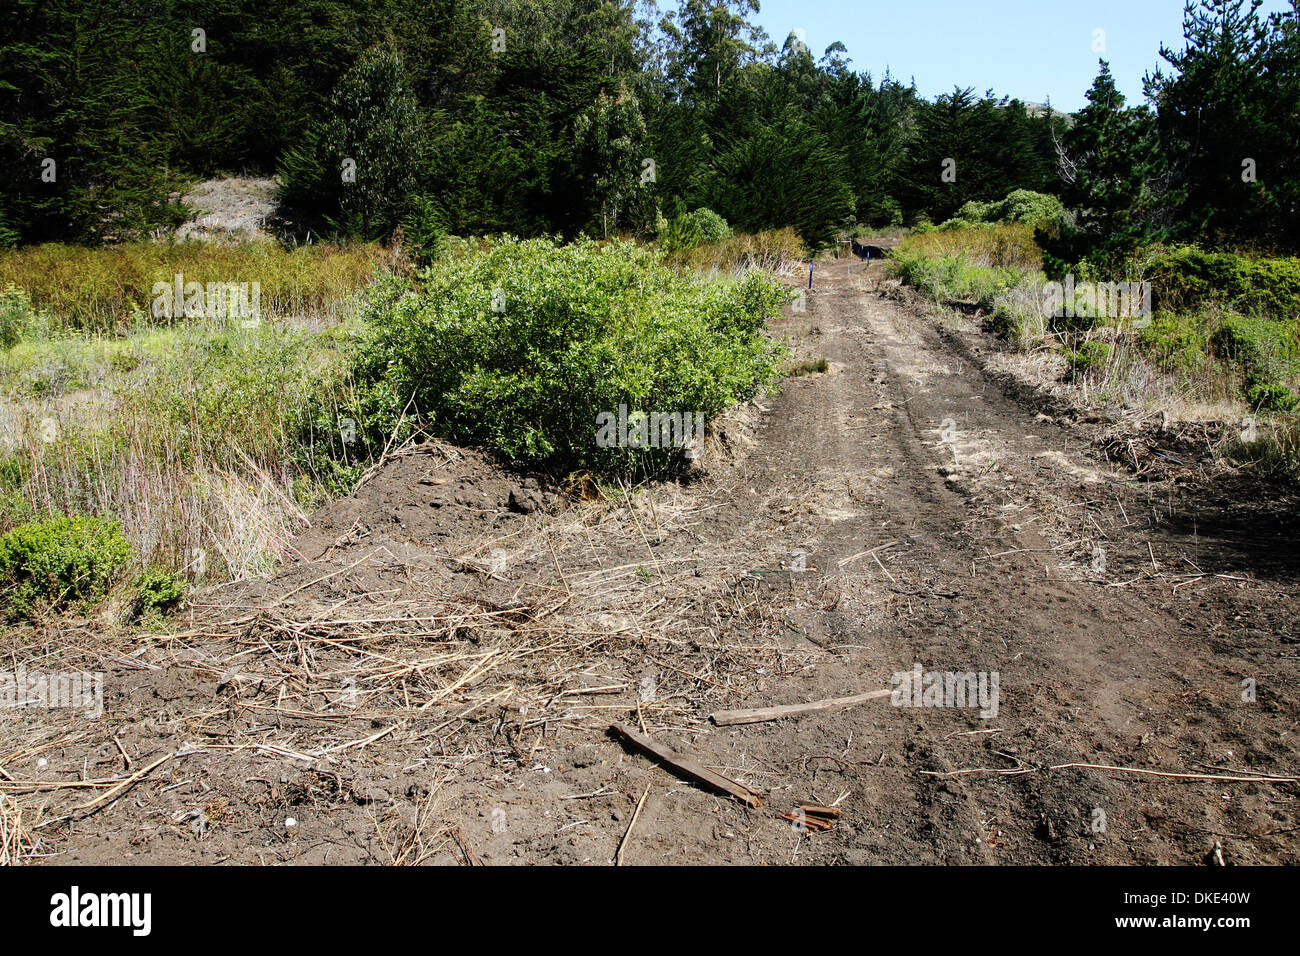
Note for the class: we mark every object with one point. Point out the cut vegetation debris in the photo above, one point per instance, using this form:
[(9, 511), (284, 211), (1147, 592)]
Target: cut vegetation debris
[(685, 767), (758, 715)]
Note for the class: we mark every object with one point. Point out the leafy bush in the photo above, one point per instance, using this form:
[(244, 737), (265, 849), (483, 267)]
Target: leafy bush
[(157, 591), (1022, 205), (520, 346), (1271, 396), (690, 229), (59, 561), (1186, 278)]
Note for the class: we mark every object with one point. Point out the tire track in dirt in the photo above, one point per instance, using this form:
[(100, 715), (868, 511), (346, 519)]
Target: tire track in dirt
[(1089, 673)]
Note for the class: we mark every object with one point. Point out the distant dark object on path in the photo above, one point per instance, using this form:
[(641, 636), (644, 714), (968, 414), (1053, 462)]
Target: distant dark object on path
[(868, 252)]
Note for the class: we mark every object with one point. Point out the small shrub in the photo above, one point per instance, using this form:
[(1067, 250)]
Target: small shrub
[(1091, 357), (60, 561), (1018, 315), (1271, 397), (158, 591)]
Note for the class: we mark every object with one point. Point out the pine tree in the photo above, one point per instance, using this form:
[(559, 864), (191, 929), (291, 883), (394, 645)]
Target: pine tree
[(1228, 121), (1108, 162)]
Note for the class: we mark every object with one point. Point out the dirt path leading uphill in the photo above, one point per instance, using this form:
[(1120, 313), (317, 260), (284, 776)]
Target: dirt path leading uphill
[(435, 680)]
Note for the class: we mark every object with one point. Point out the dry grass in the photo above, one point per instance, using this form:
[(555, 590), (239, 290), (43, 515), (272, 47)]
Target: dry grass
[(1004, 245), (775, 250), (414, 837), (15, 841), (110, 287)]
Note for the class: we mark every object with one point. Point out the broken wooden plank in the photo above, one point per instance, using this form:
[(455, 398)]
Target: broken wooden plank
[(686, 767), (806, 819), (760, 715)]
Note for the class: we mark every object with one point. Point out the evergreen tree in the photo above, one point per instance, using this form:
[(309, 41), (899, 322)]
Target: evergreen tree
[(1229, 123), (1108, 162)]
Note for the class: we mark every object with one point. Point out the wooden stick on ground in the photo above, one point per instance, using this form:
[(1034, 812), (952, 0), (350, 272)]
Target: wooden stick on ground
[(760, 715), (686, 767), (129, 781), (622, 844)]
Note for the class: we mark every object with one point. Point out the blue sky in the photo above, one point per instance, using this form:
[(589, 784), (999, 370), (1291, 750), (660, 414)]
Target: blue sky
[(1030, 49)]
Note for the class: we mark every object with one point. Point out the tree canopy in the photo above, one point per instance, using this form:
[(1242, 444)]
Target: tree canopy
[(604, 116)]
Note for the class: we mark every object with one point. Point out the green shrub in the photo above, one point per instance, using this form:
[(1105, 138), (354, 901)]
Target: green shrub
[(1187, 278), (1272, 397), (1177, 344), (690, 229), (1022, 205), (521, 345), (158, 591), (60, 561), (1266, 351), (1090, 357)]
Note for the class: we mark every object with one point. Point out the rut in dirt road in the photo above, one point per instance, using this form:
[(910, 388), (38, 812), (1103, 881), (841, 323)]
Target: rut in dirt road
[(953, 527)]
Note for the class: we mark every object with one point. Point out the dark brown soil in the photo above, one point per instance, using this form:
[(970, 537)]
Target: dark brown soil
[(434, 681)]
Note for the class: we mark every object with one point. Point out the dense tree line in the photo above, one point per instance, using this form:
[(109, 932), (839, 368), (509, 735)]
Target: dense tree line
[(603, 116)]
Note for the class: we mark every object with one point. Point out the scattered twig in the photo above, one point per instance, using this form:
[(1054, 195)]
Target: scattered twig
[(758, 715), (686, 767), (636, 814)]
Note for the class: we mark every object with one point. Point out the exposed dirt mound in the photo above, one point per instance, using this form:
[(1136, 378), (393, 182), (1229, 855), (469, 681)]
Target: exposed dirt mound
[(233, 209)]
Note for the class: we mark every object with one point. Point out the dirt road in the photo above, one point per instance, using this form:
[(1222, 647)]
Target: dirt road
[(434, 682)]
